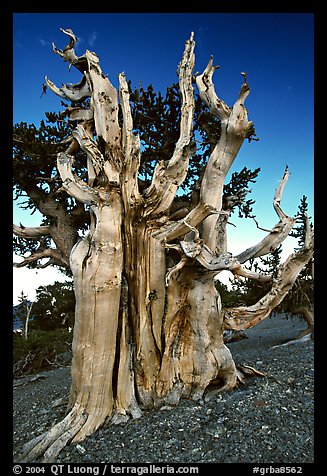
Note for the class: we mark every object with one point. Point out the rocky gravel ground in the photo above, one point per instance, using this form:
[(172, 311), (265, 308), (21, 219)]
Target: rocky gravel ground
[(267, 420)]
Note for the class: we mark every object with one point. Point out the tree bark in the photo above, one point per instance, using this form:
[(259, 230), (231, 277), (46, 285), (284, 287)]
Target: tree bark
[(28, 313), (97, 264), (195, 353)]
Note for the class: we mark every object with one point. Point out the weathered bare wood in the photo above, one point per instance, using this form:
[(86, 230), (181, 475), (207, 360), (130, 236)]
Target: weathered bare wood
[(168, 177), (51, 443), (31, 232), (105, 106), (78, 114), (235, 127), (97, 164), (307, 315), (68, 53), (96, 263), (73, 92), (243, 317), (178, 228), (126, 399), (278, 234), (131, 148), (208, 94), (192, 246), (305, 334), (76, 187), (54, 256), (194, 351), (149, 321)]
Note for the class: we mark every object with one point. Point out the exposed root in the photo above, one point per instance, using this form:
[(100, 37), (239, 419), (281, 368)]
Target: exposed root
[(49, 444), (233, 336), (297, 340), (306, 334), (75, 427), (226, 378), (245, 371)]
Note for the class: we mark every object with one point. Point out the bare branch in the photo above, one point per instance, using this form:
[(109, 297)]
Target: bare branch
[(277, 234), (208, 95), (131, 146), (193, 247), (168, 177), (235, 127), (68, 53), (258, 226), (279, 193), (74, 185), (54, 255), (73, 92), (105, 106), (104, 102), (176, 268), (179, 228), (308, 317), (95, 158), (78, 114), (238, 270), (240, 318), (31, 232), (307, 232)]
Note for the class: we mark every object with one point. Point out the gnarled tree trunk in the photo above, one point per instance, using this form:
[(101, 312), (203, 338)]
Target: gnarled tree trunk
[(149, 321)]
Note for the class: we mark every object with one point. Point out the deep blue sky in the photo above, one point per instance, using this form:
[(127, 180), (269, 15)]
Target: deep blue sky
[(274, 49)]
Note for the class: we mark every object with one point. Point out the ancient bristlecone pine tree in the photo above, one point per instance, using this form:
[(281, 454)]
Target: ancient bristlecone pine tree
[(149, 321)]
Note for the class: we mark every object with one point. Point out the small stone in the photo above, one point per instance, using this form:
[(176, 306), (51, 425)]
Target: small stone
[(37, 377), (81, 449), (59, 402)]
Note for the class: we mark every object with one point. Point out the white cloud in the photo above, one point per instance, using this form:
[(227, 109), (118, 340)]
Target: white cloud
[(44, 42), (92, 38), (28, 280)]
